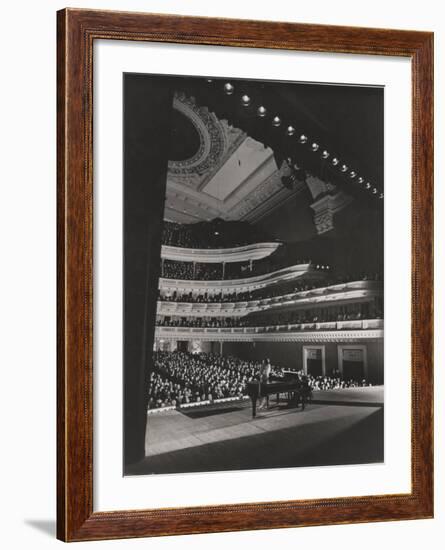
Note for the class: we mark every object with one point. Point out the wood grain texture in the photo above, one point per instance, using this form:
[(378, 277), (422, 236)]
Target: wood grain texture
[(77, 30)]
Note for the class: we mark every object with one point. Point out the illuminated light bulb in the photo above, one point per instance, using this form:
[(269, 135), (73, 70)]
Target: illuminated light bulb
[(325, 154), (209, 80), (276, 121), (374, 191), (262, 111), (344, 168), (229, 88), (290, 130), (245, 100), (303, 139), (381, 196), (315, 147), (335, 161), (368, 185), (352, 174), (360, 180)]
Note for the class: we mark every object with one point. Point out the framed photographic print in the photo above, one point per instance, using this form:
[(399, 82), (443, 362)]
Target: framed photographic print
[(244, 275)]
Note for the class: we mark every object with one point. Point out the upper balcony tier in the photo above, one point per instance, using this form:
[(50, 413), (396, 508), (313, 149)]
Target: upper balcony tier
[(246, 253), (243, 284)]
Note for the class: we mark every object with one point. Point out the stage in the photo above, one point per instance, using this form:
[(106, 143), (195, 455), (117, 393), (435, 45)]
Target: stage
[(338, 427)]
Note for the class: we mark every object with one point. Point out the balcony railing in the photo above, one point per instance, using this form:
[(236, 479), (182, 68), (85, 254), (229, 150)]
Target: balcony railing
[(249, 252), (366, 328)]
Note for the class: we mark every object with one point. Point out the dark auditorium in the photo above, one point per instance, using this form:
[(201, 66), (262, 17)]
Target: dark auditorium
[(253, 274)]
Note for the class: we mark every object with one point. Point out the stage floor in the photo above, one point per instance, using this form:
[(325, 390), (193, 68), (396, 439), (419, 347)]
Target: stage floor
[(338, 427)]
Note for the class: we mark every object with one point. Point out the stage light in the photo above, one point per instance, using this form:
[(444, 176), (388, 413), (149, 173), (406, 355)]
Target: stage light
[(381, 196), (209, 80), (343, 168), (228, 88), (374, 191), (352, 174), (335, 161), (276, 121), (262, 111), (360, 180), (245, 100), (315, 147), (303, 139), (290, 130), (325, 154), (368, 185)]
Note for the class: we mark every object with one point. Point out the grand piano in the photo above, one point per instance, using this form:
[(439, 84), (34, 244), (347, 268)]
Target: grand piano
[(288, 384)]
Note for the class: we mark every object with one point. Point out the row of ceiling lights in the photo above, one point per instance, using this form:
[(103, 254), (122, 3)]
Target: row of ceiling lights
[(246, 101)]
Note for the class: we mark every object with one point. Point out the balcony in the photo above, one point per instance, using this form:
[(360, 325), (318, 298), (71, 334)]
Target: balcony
[(344, 331), (340, 294), (250, 252), (247, 283)]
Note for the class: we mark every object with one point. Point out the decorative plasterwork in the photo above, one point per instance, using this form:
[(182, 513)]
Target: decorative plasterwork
[(318, 187), (246, 253), (249, 335), (196, 186), (326, 207), (265, 197), (217, 141)]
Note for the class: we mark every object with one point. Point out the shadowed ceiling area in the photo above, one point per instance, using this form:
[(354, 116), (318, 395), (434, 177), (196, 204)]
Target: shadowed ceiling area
[(185, 140), (241, 150)]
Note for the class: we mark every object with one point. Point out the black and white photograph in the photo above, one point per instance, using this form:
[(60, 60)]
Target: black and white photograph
[(253, 274)]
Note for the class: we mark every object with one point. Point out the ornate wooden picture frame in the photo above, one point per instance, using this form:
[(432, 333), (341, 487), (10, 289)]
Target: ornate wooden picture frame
[(77, 32)]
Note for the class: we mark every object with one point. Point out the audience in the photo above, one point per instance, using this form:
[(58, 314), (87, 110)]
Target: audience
[(350, 312), (334, 382), (286, 291), (215, 234), (201, 322), (195, 271), (179, 378)]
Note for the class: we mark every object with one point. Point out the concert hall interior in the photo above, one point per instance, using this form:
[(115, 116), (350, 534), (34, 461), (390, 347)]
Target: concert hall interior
[(253, 274)]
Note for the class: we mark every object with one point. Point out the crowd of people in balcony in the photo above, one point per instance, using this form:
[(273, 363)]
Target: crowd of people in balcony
[(270, 291), (215, 234), (180, 378), (329, 314), (178, 270), (349, 312), (196, 271), (201, 322)]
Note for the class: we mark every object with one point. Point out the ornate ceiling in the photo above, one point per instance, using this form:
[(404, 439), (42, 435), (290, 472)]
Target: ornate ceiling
[(227, 174)]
